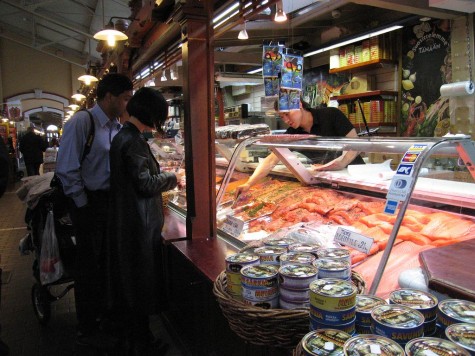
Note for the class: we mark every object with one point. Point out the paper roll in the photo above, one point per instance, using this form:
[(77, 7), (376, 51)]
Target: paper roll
[(457, 89)]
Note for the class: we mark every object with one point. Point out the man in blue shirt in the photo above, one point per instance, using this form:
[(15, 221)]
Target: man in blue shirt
[(86, 181)]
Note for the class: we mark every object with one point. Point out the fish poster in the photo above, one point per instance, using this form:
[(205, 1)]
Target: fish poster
[(289, 99), (292, 72), (271, 60), (319, 86), (426, 66)]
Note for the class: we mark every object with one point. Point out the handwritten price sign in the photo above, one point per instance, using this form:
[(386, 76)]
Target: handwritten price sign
[(233, 226), (353, 239)]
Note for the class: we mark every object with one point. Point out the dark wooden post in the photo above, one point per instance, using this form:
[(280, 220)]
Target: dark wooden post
[(195, 18)]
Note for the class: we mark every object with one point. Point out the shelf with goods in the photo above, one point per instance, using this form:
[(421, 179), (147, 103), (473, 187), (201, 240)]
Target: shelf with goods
[(379, 108)]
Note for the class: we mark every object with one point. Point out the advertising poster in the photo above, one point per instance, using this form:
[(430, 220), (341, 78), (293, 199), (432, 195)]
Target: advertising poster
[(292, 72), (271, 60), (426, 67), (319, 85), (14, 110)]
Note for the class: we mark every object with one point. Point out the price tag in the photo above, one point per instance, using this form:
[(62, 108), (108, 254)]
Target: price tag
[(353, 239), (233, 226)]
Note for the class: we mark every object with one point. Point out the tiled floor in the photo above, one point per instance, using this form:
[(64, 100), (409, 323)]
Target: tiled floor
[(20, 328)]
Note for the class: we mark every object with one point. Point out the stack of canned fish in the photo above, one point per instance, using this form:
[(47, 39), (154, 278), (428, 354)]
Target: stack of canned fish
[(294, 285), (333, 263), (333, 304), (364, 306), (260, 285), (234, 264)]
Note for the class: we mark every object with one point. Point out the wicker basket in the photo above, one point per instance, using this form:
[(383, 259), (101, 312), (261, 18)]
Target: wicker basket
[(269, 327), (298, 350)]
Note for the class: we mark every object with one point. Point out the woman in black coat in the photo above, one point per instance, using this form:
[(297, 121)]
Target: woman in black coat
[(136, 221)]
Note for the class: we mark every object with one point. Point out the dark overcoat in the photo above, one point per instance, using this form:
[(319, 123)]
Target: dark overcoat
[(136, 219)]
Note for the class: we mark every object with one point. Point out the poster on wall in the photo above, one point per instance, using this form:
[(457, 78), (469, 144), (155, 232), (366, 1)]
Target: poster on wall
[(318, 85), (426, 66), (14, 110)]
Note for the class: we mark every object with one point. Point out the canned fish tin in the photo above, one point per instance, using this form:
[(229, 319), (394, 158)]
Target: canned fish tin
[(422, 301), (260, 276), (362, 330), (329, 268), (297, 276), (234, 289), (348, 328), (295, 295), (233, 277), (332, 318), (264, 304), (270, 255), (279, 242), (462, 334), (334, 253), (452, 311), (301, 247), (302, 258), (434, 346), (325, 342), (259, 294), (364, 306), (287, 304), (430, 326), (235, 262), (332, 294), (397, 322), (363, 345)]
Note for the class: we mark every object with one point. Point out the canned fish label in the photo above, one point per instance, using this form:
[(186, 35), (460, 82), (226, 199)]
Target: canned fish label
[(264, 304), (434, 346), (348, 328), (364, 305), (297, 276), (332, 294), (297, 257), (451, 311), (279, 242), (430, 326), (234, 289), (331, 318), (286, 304), (260, 276), (233, 277), (462, 334), (334, 253), (425, 302), (270, 254), (363, 345), (328, 268), (235, 262), (397, 322), (295, 295), (259, 294), (301, 247), (325, 342)]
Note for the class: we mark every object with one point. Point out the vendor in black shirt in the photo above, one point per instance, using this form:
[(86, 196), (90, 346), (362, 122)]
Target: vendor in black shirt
[(328, 122)]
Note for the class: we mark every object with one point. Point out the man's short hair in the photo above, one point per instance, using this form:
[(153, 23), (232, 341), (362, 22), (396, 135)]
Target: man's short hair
[(114, 83)]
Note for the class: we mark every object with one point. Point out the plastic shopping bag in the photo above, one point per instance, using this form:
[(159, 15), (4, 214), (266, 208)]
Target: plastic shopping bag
[(51, 267)]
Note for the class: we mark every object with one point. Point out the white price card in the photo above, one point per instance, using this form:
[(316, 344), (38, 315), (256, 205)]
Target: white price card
[(353, 239), (232, 226)]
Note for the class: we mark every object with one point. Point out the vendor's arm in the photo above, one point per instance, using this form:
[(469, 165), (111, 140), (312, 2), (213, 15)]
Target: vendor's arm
[(260, 173), (342, 161)]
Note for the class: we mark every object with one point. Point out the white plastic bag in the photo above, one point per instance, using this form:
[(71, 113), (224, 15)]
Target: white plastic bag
[(51, 267)]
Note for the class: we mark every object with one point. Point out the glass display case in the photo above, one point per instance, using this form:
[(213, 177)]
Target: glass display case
[(412, 195)]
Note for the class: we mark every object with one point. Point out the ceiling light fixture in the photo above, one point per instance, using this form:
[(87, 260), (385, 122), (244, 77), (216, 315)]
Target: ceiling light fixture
[(73, 106), (280, 15), (78, 96), (110, 34), (87, 79), (243, 33), (163, 77)]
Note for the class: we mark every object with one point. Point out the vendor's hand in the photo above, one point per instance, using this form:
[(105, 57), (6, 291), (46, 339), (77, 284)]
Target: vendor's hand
[(335, 165), (243, 188)]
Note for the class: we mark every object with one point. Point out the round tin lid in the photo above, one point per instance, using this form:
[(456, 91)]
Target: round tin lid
[(260, 271), (242, 258), (365, 303), (432, 346), (372, 345), (333, 252), (397, 316), (300, 247), (298, 257), (462, 334), (329, 264), (270, 250), (333, 287), (281, 241), (325, 342), (458, 309), (413, 298), (298, 271)]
